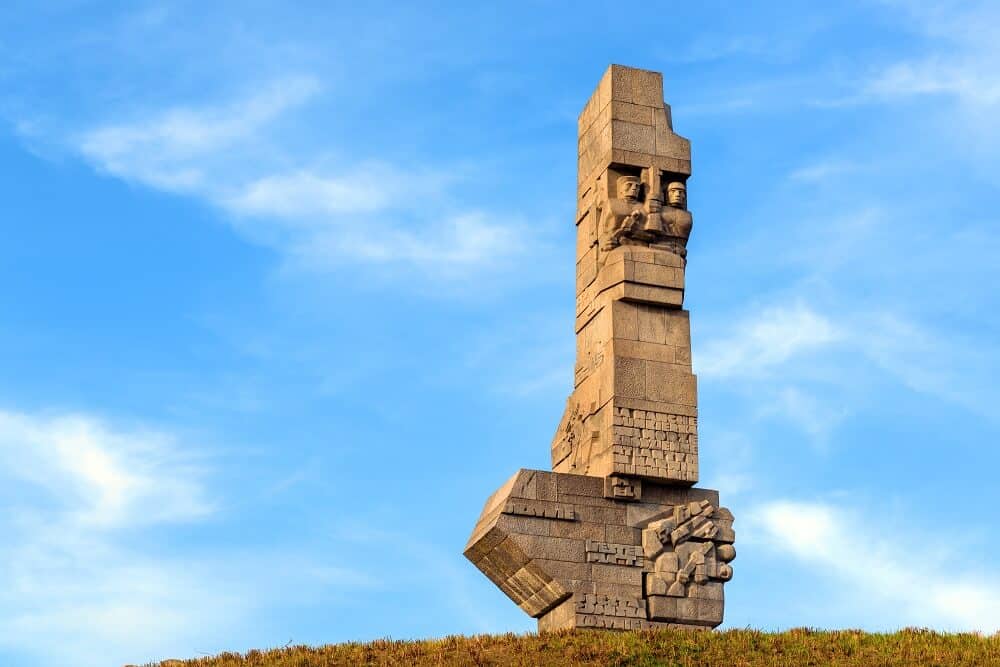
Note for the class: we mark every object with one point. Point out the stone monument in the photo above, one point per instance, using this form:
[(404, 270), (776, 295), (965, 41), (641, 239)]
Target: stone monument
[(617, 536)]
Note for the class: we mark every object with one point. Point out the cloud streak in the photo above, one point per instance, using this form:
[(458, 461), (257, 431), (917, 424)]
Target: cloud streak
[(86, 505), (231, 155), (179, 149), (765, 341), (99, 476), (77, 485), (875, 563)]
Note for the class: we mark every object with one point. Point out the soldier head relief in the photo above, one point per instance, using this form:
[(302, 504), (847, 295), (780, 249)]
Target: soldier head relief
[(628, 188), (677, 195)]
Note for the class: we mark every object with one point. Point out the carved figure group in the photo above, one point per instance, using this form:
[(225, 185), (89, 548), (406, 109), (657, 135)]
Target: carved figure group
[(628, 220)]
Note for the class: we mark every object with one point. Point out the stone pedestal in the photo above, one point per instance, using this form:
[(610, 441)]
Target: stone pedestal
[(616, 537), (571, 556)]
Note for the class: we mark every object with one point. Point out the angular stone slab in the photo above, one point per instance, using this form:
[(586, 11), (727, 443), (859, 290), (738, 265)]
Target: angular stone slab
[(572, 557)]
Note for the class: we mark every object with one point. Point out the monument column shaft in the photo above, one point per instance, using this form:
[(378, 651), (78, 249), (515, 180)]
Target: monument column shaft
[(634, 407)]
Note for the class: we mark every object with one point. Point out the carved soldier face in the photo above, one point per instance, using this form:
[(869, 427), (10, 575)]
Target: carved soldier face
[(628, 188), (677, 195)]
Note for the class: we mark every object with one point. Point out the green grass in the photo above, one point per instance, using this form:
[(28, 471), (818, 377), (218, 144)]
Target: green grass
[(733, 648)]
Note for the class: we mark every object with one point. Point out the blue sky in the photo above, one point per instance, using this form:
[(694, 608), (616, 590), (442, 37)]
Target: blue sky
[(286, 293)]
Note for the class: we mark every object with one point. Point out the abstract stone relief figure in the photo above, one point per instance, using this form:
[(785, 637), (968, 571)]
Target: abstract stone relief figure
[(627, 220), (623, 215), (677, 220)]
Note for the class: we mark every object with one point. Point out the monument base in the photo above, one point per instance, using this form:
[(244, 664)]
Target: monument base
[(576, 551)]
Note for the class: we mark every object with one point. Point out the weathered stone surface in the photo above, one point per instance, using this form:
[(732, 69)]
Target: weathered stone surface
[(617, 537), (666, 549)]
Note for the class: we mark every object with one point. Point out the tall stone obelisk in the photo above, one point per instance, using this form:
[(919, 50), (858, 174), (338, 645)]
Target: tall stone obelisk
[(616, 536)]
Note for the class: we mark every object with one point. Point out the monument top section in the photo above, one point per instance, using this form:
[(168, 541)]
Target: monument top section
[(627, 127)]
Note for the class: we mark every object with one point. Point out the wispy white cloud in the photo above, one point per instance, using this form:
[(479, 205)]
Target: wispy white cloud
[(961, 60), (230, 154), (85, 507), (764, 341), (936, 363), (819, 172), (814, 415), (181, 149), (452, 247), (967, 79), (74, 484), (872, 561), (306, 195), (811, 369), (102, 477)]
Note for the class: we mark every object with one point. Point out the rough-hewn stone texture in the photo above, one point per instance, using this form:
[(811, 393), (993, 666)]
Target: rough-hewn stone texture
[(617, 537), (662, 562)]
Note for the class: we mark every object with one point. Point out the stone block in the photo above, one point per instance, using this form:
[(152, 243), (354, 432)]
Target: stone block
[(667, 354), (524, 525), (633, 137), (605, 515), (709, 612), (666, 296), (565, 570), (625, 320), (545, 487), (578, 529), (630, 377), (579, 485), (626, 489), (669, 259), (560, 617), (708, 591), (652, 324), (586, 270), (668, 144), (678, 329), (617, 574), (662, 608), (664, 382), (632, 113), (552, 548), (657, 274), (628, 84)]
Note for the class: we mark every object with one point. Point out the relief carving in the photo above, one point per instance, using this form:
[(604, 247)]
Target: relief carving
[(659, 220), (606, 605), (622, 216), (545, 510), (622, 488), (690, 550), (614, 554), (675, 219), (574, 440)]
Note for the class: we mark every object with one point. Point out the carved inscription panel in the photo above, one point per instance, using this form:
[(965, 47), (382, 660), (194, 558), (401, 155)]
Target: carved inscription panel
[(655, 444), (545, 510), (614, 554), (606, 605)]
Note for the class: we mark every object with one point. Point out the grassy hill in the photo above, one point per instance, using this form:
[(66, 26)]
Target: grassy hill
[(733, 648)]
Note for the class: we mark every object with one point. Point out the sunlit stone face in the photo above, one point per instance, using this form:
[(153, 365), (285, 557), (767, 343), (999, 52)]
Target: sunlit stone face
[(628, 188), (677, 195)]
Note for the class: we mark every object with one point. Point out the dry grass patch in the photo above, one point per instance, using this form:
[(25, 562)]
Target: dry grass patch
[(732, 648)]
